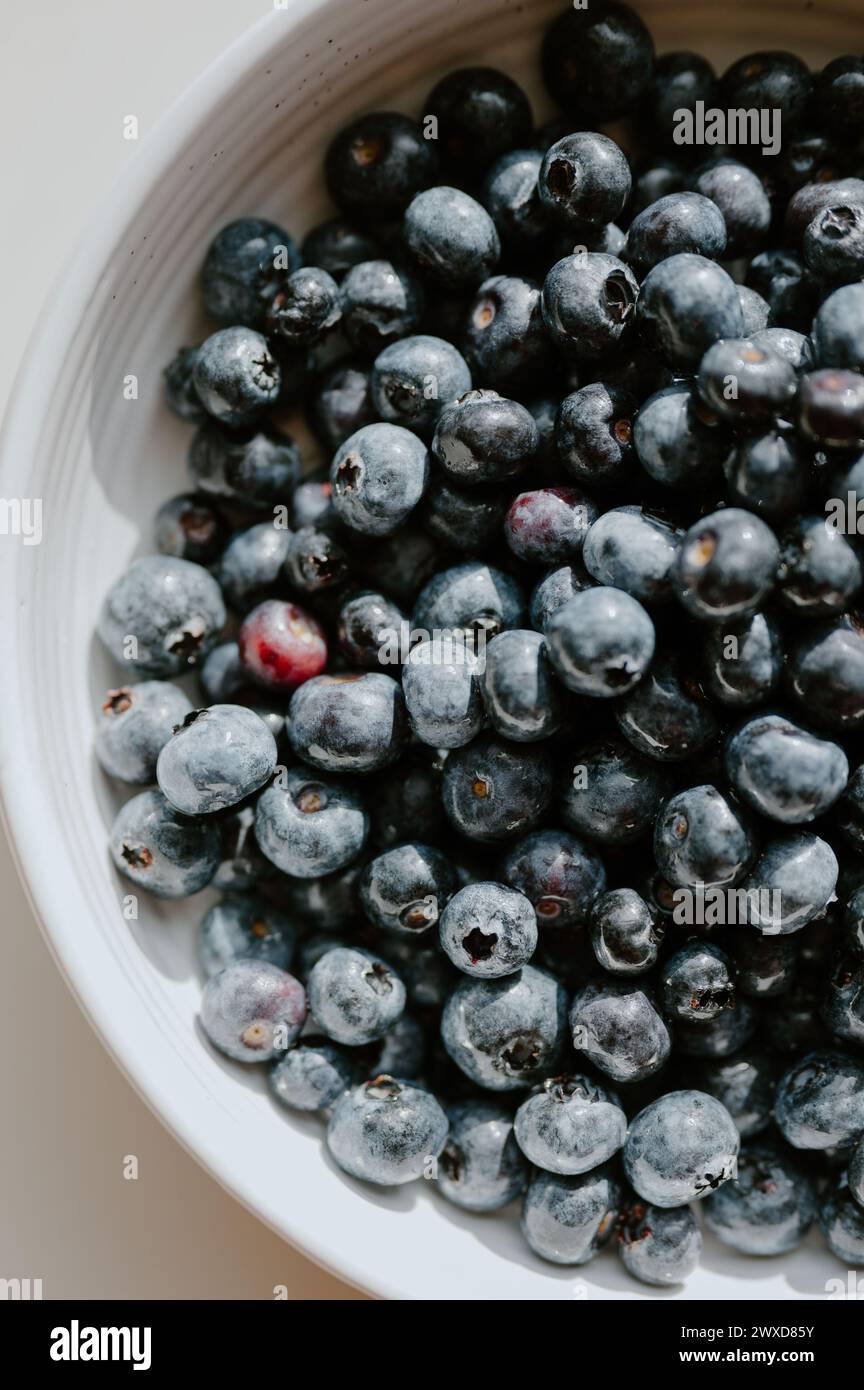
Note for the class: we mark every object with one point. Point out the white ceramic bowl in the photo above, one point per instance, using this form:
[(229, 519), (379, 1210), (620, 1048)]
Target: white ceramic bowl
[(248, 138)]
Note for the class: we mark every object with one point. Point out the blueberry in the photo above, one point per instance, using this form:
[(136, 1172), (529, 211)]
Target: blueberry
[(215, 758), (726, 565), (505, 1034), (190, 528), (549, 526), (856, 1173), (306, 306), (179, 387), (841, 1221), (505, 339), (483, 438), (617, 1027), (584, 179), (235, 376), (350, 723), (777, 80), (741, 196), (701, 837), (666, 716), (740, 381), (481, 1167), (826, 673), (309, 826), (755, 311), (680, 79), (597, 62), (387, 1132), (676, 441), (674, 224), (768, 472), (427, 973), (281, 646), (252, 1011), (242, 866), (315, 561), (594, 432), (338, 244), (378, 476), (830, 407), (769, 1207), (624, 933), (242, 267), (407, 888), (783, 771), (511, 197), (838, 338), (698, 983), (558, 874), (244, 927), (367, 620), (570, 1125), (682, 1147), (354, 997), (841, 1008), (441, 686), (556, 589), (655, 177), (567, 1219), (819, 1102), (794, 878), (722, 1036), (162, 615), (588, 303), (687, 303), (255, 467), (380, 303), (160, 850), (765, 965), (341, 404), (135, 723), (601, 642), (812, 198), (480, 114), (376, 165), (631, 548), (221, 674), (472, 598), (834, 243), (488, 930), (400, 564), (451, 237), (413, 379), (611, 793), (312, 1075), (463, 521), (251, 564), (744, 1084), (494, 790), (659, 1246), (402, 1050), (522, 700), (783, 282), (839, 95)]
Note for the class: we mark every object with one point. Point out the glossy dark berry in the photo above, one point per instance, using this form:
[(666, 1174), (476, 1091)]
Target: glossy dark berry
[(522, 699), (770, 1206), (377, 478), (611, 794), (549, 526), (481, 113), (702, 837), (471, 598), (506, 342), (743, 202), (236, 377), (242, 269), (179, 387), (414, 378), (615, 1024), (676, 223), (380, 303), (337, 244), (678, 442), (512, 199), (255, 467), (681, 1148), (633, 549), (341, 404), (588, 304), (625, 935), (777, 80), (559, 874), (838, 337), (309, 825), (368, 624), (726, 565), (742, 660), (740, 381), (601, 642), (697, 984), (679, 80), (839, 95), (667, 716), (493, 790), (375, 166), (597, 62), (594, 432), (659, 1247), (686, 303), (584, 179), (451, 237), (830, 407), (481, 437), (506, 1034), (350, 723)]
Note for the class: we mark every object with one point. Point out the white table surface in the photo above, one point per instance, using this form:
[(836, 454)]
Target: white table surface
[(70, 72)]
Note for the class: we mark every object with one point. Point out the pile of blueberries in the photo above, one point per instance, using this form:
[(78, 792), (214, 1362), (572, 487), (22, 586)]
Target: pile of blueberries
[(560, 639)]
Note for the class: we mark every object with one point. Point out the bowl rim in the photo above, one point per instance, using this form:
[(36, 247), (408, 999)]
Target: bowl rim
[(74, 287)]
